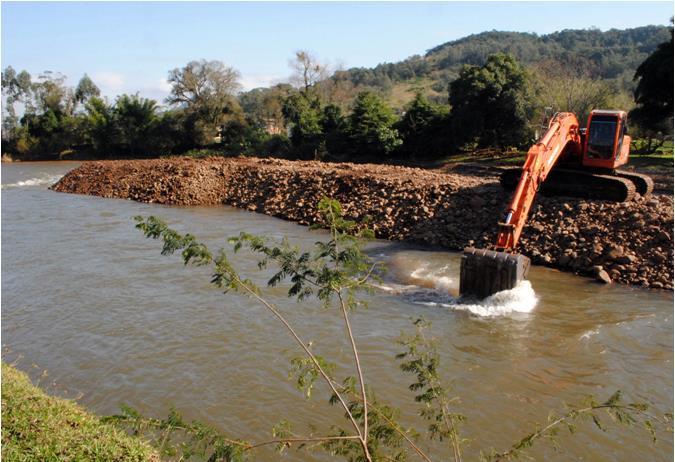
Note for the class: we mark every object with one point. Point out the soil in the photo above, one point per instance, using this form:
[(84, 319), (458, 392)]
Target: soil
[(629, 243)]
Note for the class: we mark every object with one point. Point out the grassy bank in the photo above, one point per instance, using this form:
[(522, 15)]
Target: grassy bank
[(39, 427)]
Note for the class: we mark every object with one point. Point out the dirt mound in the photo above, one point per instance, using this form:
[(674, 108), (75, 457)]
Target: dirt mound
[(630, 242)]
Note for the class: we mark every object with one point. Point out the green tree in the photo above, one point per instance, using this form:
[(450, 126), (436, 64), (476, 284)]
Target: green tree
[(423, 128), (334, 273), (51, 130), (51, 134), (135, 120), (170, 134), (47, 128), (371, 129), (492, 104), (239, 136), (654, 91), (277, 146), (51, 94), (264, 106), (303, 115), (206, 89), (86, 89), (569, 87), (15, 88), (334, 126), (100, 131)]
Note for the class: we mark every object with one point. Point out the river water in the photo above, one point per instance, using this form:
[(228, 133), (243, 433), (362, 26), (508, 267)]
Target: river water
[(92, 311)]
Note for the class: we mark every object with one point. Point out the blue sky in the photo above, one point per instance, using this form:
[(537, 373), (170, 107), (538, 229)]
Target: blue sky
[(131, 46)]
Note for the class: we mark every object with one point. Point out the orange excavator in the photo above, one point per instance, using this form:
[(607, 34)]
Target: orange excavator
[(567, 160)]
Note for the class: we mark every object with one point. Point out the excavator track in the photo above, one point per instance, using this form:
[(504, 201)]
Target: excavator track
[(644, 185), (578, 183)]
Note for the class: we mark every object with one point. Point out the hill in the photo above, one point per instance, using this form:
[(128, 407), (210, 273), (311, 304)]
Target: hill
[(613, 55)]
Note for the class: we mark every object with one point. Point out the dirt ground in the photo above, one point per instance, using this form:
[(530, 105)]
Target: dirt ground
[(454, 206)]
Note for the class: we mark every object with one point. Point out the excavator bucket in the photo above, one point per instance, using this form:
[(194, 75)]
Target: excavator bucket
[(486, 272)]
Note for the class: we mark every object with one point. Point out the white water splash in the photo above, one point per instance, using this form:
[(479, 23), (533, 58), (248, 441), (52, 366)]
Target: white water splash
[(431, 278), (424, 283), (589, 333), (520, 299), (39, 181)]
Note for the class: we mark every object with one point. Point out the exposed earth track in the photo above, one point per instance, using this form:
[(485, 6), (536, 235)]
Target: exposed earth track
[(632, 242)]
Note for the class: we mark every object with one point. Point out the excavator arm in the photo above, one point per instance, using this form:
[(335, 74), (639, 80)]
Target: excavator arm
[(484, 272), (562, 135)]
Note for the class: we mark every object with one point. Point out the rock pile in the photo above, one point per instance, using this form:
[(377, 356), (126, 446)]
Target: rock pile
[(630, 242)]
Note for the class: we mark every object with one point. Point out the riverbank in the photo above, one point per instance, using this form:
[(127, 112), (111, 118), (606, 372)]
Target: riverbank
[(39, 427), (630, 243)]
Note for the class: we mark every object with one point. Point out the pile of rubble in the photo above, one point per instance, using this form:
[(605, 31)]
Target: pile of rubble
[(630, 243)]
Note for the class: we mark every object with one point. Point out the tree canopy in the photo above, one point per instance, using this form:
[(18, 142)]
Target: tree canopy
[(371, 129), (654, 92), (423, 128), (491, 104), (207, 90), (612, 55), (424, 107)]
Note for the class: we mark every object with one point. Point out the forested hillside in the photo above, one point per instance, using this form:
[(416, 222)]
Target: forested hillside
[(612, 55), (489, 90)]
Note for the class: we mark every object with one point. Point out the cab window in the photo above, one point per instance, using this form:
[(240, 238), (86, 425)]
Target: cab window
[(601, 136)]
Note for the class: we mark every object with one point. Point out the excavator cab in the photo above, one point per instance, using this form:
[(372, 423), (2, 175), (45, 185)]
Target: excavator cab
[(606, 144), (601, 147), (484, 272)]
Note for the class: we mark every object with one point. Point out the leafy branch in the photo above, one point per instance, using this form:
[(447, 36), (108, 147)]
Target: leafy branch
[(337, 269), (422, 360), (618, 412), (175, 437), (334, 272)]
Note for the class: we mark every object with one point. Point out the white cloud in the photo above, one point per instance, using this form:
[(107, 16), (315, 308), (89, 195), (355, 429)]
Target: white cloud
[(163, 85), (113, 84), (111, 81), (251, 81)]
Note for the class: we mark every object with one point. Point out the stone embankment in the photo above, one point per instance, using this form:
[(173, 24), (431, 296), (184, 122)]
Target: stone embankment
[(630, 243)]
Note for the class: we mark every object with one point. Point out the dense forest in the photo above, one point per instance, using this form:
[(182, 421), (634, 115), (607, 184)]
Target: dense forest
[(613, 55), (488, 90)]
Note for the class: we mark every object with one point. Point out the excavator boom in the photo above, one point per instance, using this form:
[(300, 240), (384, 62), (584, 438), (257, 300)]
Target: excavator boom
[(484, 272), (562, 135)]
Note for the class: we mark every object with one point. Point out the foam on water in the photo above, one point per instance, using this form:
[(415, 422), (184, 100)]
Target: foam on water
[(45, 179), (520, 299), (423, 283), (589, 333), (426, 277)]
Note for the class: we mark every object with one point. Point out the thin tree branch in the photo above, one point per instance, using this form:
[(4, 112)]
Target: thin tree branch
[(358, 365), (396, 428), (571, 414), (400, 431), (364, 436), (302, 440), (449, 423), (304, 347)]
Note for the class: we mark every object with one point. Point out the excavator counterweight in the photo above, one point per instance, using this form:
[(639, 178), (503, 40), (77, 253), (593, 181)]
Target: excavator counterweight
[(594, 153)]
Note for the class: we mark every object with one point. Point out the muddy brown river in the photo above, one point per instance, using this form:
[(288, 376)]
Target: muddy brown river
[(90, 301)]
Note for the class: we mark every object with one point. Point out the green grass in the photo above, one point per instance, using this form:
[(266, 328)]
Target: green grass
[(402, 93), (653, 162), (514, 158), (39, 427), (661, 160), (666, 150)]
